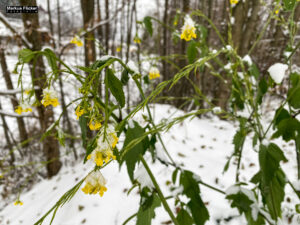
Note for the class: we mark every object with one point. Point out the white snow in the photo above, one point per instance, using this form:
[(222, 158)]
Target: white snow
[(277, 72), (247, 59)]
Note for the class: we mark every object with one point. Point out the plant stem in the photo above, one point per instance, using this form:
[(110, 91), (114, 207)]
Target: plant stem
[(159, 192), (138, 84)]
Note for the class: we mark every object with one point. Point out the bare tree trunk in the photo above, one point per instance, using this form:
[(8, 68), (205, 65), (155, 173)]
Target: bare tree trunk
[(46, 116), (21, 125), (50, 22), (107, 27), (165, 38), (87, 8)]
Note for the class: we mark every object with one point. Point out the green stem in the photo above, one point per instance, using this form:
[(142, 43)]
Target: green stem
[(152, 122), (159, 192)]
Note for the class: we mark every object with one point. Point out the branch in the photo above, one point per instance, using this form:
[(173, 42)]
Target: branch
[(7, 24), (13, 91), (3, 113)]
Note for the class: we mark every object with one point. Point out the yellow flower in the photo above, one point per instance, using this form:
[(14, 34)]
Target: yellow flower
[(153, 73), (23, 107), (50, 98), (1, 176), (137, 40), (18, 202), (94, 125), (119, 48), (234, 2), (27, 91), (76, 40), (95, 183), (105, 145), (188, 29), (79, 112), (276, 11)]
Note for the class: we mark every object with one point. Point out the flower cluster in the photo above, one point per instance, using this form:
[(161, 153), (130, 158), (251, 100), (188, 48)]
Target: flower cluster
[(23, 107), (18, 202), (94, 124), (79, 112), (153, 73), (137, 40), (94, 183), (105, 145), (50, 98), (188, 29), (76, 40)]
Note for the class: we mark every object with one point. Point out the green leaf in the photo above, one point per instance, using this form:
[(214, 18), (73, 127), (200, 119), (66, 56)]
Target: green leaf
[(262, 90), (148, 25), (240, 200), (184, 218), (26, 55), (294, 92), (253, 70), (269, 159), (124, 77), (192, 51), (274, 194), (131, 157), (146, 212), (90, 147), (51, 58), (191, 190), (287, 129), (289, 4), (115, 86), (280, 114)]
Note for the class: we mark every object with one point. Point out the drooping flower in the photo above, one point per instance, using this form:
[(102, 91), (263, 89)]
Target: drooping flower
[(154, 73), (119, 48), (188, 29), (105, 145), (234, 2), (95, 183), (94, 124), (79, 112), (50, 98), (137, 40), (18, 202), (23, 107), (76, 40)]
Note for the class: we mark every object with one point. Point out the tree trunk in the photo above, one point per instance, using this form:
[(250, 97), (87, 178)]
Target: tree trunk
[(46, 116), (87, 8)]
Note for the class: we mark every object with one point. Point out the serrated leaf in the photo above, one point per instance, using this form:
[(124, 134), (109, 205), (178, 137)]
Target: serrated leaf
[(26, 55), (148, 25), (269, 159), (192, 51), (287, 129), (191, 190), (115, 86), (184, 218), (146, 214)]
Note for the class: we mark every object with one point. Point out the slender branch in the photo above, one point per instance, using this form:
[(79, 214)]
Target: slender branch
[(13, 30)]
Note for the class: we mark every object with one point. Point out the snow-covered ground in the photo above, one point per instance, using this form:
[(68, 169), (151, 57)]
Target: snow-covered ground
[(200, 145)]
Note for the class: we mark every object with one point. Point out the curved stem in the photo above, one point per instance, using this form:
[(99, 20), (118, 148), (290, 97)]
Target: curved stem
[(159, 192)]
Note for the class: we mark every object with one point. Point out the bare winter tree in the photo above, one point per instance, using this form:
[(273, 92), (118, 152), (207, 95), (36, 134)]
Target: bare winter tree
[(37, 68)]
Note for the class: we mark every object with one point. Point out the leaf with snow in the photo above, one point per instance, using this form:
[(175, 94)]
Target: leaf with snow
[(277, 72)]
